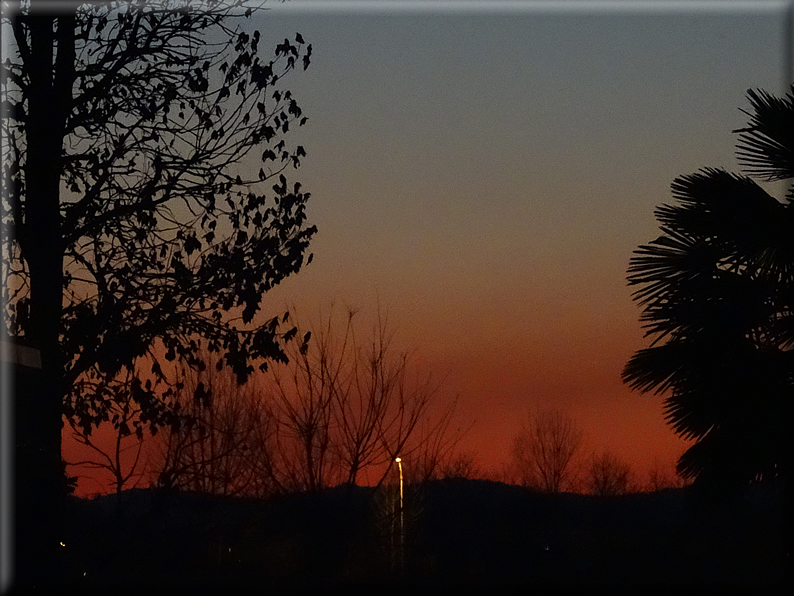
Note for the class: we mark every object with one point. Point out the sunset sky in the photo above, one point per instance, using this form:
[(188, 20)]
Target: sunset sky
[(485, 170)]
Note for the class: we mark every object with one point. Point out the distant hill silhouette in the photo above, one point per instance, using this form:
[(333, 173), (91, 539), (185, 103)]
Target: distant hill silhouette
[(460, 533)]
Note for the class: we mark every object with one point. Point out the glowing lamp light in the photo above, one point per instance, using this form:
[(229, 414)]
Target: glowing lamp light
[(62, 544)]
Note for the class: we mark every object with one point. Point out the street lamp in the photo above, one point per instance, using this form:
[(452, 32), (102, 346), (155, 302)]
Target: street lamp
[(402, 526), (400, 466)]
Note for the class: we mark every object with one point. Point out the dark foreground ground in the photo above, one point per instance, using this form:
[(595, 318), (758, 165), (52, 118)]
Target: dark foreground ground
[(467, 534)]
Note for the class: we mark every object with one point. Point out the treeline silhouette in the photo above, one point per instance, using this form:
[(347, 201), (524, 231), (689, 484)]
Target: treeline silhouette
[(341, 410), (548, 455), (457, 532), (318, 423)]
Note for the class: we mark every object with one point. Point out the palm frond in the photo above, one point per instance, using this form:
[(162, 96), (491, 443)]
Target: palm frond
[(717, 291), (727, 304), (729, 210), (667, 263), (660, 367), (766, 147)]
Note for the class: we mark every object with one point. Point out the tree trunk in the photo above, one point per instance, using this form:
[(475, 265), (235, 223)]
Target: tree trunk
[(40, 471)]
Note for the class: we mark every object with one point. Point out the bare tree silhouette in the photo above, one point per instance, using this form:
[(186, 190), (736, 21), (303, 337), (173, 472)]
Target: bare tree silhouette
[(608, 475), (222, 441), (340, 407), (460, 464), (661, 477), (346, 405), (717, 290), (543, 451)]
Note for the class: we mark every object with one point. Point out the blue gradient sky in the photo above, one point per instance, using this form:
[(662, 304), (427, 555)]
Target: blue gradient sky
[(488, 171)]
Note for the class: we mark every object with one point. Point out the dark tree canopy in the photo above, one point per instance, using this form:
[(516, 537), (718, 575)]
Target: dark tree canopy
[(124, 137), (717, 290), (146, 211)]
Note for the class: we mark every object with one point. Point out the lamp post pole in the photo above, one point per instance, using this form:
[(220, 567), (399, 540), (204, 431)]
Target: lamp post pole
[(402, 532)]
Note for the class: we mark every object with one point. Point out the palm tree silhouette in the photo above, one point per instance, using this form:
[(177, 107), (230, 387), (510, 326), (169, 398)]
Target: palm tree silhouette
[(717, 291)]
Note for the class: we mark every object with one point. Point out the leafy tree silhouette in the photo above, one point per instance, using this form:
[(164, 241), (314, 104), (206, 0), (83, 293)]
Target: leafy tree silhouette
[(717, 290), (131, 226)]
